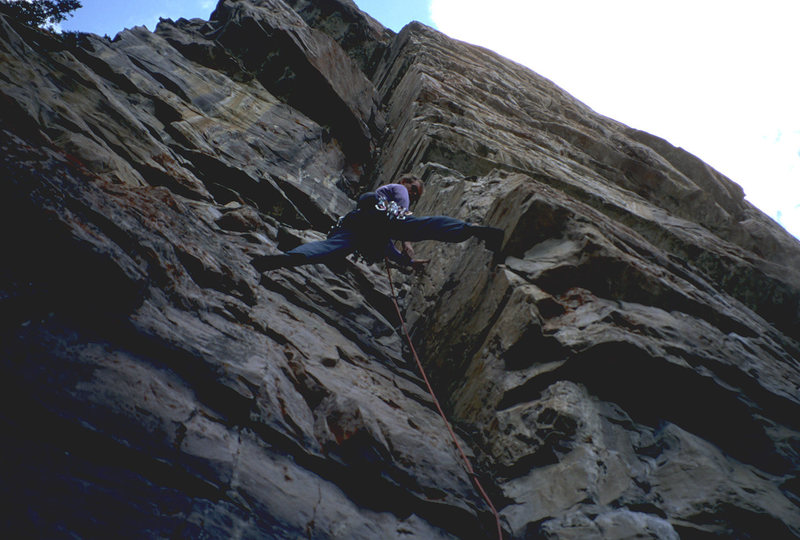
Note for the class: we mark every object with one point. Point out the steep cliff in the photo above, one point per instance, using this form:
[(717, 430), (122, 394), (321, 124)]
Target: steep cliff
[(630, 369)]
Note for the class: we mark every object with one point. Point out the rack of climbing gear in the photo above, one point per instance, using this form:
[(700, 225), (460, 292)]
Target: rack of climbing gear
[(391, 209)]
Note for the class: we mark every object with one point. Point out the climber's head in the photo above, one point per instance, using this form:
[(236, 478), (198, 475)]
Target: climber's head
[(414, 186)]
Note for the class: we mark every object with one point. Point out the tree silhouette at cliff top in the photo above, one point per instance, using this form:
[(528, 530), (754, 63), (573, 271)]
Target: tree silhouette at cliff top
[(39, 12)]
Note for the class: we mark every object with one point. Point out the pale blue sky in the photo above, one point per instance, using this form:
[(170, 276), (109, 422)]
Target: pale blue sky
[(397, 14), (716, 77), (107, 17)]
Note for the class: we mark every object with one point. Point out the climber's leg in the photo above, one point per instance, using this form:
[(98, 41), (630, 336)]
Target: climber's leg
[(337, 246), (444, 229)]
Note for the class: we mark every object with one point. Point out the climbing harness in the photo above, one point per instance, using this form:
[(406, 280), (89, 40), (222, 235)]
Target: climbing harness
[(464, 457), (390, 210), (384, 206)]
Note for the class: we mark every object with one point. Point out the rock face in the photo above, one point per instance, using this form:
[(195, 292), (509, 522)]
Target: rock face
[(631, 369)]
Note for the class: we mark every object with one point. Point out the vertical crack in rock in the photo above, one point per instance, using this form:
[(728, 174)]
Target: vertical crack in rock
[(631, 368)]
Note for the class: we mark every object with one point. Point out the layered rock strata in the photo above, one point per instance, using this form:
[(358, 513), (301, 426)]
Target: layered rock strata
[(630, 369)]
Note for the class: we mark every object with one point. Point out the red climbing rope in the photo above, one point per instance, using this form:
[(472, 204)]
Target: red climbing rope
[(464, 457)]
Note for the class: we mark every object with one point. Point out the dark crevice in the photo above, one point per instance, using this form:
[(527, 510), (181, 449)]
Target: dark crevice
[(531, 348)]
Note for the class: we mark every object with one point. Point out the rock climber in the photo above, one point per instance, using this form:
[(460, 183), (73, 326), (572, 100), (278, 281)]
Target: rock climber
[(380, 218)]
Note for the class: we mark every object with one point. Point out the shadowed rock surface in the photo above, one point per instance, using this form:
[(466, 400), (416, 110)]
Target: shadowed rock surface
[(630, 369)]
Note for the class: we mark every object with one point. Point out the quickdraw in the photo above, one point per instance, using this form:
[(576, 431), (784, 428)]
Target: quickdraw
[(392, 209), (336, 226)]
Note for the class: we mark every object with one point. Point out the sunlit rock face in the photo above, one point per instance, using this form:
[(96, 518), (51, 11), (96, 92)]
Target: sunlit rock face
[(630, 369)]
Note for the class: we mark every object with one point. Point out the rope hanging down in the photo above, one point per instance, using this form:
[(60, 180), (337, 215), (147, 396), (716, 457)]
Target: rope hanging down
[(464, 457)]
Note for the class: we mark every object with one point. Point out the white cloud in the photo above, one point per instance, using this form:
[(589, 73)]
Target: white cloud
[(715, 77)]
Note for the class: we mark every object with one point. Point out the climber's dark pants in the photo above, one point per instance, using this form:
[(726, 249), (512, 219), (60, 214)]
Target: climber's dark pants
[(338, 245), (441, 228), (372, 235)]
